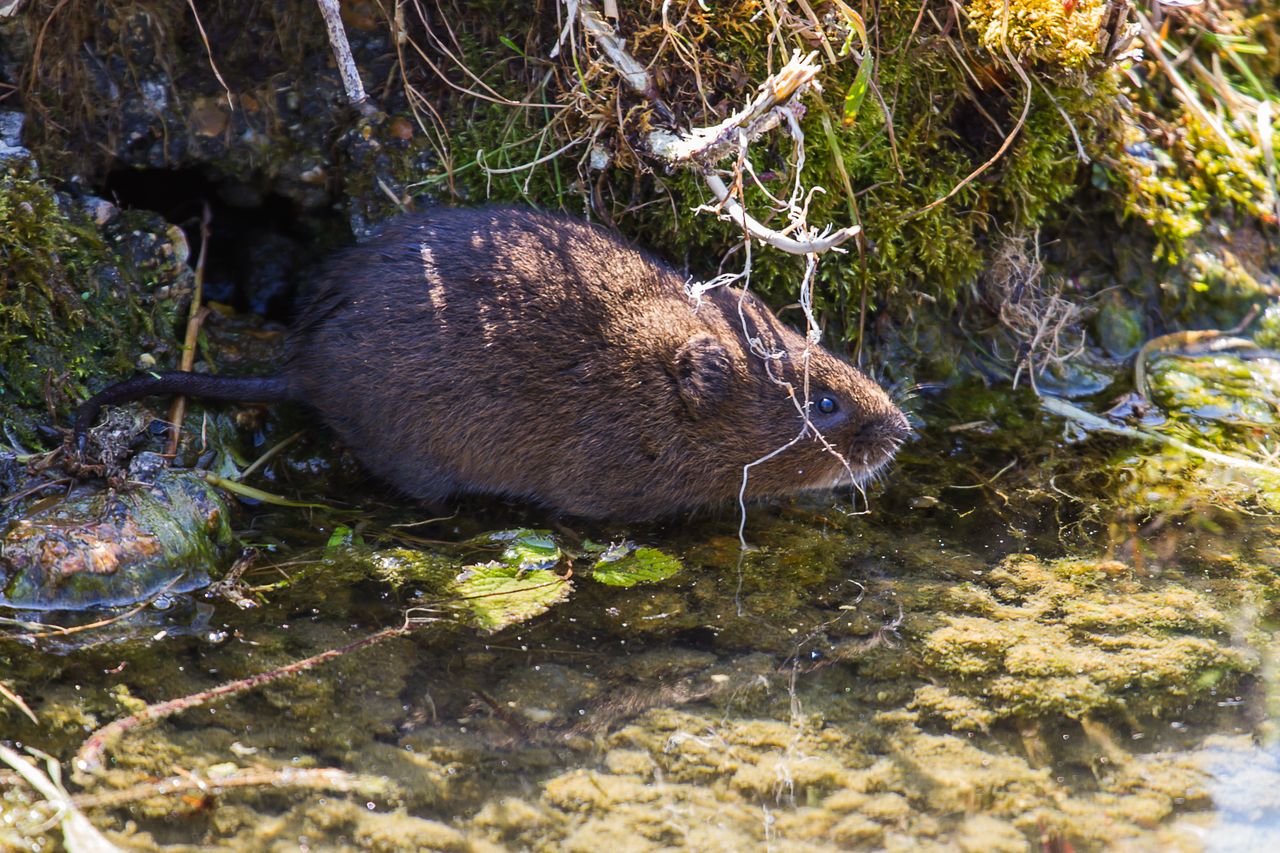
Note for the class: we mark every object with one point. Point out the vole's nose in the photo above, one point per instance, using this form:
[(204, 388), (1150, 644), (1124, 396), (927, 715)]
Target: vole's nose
[(898, 426), (878, 438)]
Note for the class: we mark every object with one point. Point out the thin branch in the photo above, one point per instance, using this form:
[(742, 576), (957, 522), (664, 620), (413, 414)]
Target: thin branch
[(195, 319), (708, 145), (88, 759), (209, 52), (18, 702), (351, 82), (1088, 420), (314, 778), (77, 832)]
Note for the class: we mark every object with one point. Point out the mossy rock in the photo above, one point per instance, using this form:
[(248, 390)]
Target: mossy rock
[(80, 303), (102, 548)]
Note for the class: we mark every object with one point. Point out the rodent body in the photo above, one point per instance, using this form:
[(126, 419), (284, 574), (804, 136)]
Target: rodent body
[(509, 352)]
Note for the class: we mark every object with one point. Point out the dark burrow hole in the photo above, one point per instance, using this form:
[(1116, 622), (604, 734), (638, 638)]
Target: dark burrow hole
[(261, 244)]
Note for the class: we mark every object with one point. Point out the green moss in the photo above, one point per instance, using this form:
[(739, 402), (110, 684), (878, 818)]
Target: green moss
[(938, 136), (46, 266), (77, 303), (1045, 30)]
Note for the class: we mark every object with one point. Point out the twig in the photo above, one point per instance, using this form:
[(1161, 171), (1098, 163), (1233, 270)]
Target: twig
[(765, 234), (351, 82), (238, 488), (77, 832), (209, 52), (18, 702), (708, 145), (316, 778), (195, 319), (38, 487), (1062, 408), (89, 758), (59, 631), (1215, 339), (702, 148), (631, 71), (271, 452)]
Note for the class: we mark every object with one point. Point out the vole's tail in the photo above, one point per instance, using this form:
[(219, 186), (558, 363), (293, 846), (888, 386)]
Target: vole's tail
[(247, 389)]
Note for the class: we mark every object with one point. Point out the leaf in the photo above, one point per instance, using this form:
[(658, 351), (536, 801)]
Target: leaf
[(528, 549), (625, 565), (856, 25), (500, 595), (857, 91), (343, 537), (506, 40)]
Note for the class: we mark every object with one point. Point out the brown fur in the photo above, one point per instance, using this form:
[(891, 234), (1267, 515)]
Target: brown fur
[(515, 353)]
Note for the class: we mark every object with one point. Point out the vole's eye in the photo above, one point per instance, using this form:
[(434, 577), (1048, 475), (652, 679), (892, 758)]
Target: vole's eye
[(827, 405)]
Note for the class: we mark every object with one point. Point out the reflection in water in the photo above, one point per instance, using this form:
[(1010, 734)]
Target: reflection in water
[(1245, 788)]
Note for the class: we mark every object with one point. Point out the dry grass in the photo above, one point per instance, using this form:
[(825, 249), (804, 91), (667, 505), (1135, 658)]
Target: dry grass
[(1045, 325)]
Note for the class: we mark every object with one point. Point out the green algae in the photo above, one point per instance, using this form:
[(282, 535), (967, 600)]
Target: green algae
[(90, 550), (857, 685)]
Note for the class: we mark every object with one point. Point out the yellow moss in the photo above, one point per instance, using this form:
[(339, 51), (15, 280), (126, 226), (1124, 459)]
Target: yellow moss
[(960, 712), (856, 830), (1049, 31)]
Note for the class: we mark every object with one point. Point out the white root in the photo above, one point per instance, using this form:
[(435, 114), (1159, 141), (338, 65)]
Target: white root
[(701, 148), (730, 206), (351, 82)]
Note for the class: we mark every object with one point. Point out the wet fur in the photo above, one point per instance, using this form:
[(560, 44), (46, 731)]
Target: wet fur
[(515, 353)]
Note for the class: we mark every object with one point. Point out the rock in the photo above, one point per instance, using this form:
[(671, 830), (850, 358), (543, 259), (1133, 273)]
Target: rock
[(11, 132), (104, 547)]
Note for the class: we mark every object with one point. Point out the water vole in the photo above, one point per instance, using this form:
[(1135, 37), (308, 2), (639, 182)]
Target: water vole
[(508, 352)]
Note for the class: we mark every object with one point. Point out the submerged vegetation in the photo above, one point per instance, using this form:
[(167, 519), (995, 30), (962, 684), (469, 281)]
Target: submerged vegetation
[(1056, 627)]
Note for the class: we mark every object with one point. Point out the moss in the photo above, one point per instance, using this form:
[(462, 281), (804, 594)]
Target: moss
[(1062, 34), (77, 302), (938, 136), (46, 263)]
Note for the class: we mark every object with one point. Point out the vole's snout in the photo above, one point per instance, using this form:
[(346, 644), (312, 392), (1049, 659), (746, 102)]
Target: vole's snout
[(879, 437)]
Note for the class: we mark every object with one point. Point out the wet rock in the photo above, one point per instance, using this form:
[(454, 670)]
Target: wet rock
[(1118, 328), (96, 548), (11, 146)]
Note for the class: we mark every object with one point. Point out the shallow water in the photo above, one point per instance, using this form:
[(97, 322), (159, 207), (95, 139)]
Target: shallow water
[(1018, 646)]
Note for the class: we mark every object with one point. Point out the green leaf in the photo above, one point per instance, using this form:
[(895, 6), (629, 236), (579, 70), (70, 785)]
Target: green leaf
[(625, 565), (499, 595), (511, 44), (528, 549), (857, 91), (342, 537)]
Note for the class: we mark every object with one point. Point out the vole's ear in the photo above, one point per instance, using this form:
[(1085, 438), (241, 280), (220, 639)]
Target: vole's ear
[(702, 370)]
